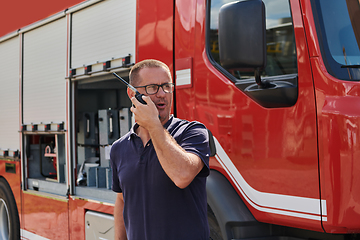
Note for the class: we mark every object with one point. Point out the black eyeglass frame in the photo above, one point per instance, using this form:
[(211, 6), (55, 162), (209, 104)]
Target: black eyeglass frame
[(158, 86)]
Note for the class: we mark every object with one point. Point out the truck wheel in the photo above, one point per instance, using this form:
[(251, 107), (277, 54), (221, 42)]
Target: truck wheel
[(9, 217), (215, 232)]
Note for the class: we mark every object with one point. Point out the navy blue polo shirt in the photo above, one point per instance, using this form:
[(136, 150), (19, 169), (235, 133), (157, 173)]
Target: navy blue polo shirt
[(154, 207)]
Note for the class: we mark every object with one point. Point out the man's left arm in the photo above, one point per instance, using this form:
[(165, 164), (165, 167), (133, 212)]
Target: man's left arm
[(181, 166)]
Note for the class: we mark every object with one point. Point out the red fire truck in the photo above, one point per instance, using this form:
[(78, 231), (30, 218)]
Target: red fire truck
[(276, 82)]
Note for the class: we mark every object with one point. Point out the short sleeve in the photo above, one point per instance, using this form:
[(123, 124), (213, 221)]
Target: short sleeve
[(114, 162), (195, 139)]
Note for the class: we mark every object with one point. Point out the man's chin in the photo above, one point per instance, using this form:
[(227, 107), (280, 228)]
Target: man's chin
[(163, 118)]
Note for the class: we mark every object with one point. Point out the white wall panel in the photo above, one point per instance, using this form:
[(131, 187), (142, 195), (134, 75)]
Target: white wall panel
[(44, 97), (103, 31), (9, 95)]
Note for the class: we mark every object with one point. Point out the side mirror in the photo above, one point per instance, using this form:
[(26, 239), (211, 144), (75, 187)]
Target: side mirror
[(242, 35)]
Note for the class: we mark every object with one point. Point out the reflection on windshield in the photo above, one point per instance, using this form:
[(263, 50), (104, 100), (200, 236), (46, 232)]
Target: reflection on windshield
[(280, 40), (338, 23)]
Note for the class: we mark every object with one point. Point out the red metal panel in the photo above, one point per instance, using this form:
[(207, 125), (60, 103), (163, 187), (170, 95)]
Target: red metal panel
[(185, 12), (338, 106), (154, 37), (45, 216), (338, 109), (154, 32), (22, 13), (274, 150)]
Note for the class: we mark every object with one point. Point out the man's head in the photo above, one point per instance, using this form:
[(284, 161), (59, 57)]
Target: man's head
[(134, 77), (154, 73)]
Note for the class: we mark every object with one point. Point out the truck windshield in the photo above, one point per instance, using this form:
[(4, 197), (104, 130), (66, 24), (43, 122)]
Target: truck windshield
[(338, 27)]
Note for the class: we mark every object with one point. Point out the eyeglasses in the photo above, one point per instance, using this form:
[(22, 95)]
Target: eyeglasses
[(154, 88)]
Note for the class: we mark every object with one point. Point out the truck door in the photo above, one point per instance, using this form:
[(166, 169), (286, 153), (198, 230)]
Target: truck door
[(265, 136)]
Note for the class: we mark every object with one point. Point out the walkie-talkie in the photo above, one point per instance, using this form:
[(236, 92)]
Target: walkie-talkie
[(138, 95)]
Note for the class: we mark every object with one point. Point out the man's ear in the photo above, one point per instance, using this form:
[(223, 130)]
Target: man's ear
[(130, 93)]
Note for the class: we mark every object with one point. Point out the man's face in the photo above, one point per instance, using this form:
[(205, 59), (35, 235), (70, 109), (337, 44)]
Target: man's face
[(162, 100)]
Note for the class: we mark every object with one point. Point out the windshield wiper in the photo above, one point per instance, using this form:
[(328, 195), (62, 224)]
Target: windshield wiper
[(350, 66)]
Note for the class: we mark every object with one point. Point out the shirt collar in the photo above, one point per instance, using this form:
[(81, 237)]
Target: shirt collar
[(166, 125)]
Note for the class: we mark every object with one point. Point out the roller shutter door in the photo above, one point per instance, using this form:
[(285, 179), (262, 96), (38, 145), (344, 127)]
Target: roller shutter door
[(103, 31), (44, 84), (9, 96)]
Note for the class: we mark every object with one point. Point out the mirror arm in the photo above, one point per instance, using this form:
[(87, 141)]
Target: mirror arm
[(259, 82), (257, 77)]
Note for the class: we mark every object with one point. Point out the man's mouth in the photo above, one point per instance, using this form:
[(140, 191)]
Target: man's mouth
[(160, 105)]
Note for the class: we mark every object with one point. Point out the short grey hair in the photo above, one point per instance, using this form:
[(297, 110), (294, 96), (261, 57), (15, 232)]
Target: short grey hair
[(148, 63)]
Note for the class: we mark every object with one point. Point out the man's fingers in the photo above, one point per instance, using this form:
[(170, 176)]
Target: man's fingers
[(134, 101)]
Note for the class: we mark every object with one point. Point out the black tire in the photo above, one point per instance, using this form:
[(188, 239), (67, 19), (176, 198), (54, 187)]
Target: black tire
[(9, 215), (215, 231)]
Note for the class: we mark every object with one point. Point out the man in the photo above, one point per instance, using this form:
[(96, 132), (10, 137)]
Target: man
[(160, 166)]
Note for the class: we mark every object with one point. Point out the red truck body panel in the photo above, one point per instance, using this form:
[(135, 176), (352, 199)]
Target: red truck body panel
[(273, 150), (17, 14), (154, 24), (338, 119)]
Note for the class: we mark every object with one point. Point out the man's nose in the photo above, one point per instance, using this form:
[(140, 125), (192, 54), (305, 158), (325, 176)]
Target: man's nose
[(161, 92)]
